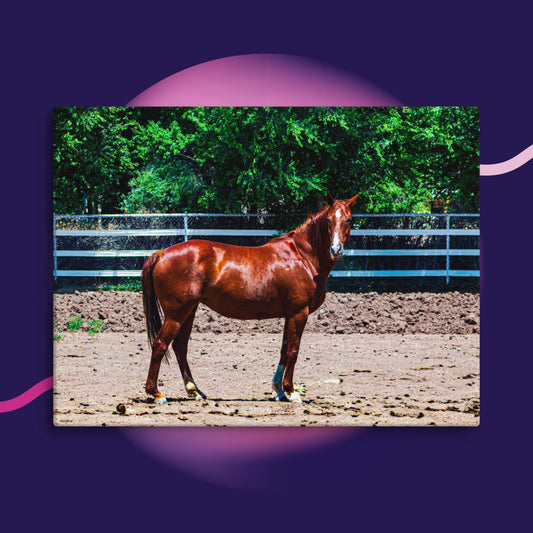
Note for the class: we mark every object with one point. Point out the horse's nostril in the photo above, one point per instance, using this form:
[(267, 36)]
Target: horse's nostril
[(336, 251)]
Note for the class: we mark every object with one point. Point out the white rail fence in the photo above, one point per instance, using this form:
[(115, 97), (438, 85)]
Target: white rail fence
[(186, 232)]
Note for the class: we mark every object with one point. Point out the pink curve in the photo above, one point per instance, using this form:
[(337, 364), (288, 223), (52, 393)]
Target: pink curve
[(507, 166), (27, 397)]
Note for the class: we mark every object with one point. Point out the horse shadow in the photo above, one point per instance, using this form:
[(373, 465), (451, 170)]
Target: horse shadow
[(151, 401)]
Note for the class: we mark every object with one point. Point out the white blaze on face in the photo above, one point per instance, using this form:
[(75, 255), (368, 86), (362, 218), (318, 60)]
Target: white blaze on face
[(336, 241), (336, 244)]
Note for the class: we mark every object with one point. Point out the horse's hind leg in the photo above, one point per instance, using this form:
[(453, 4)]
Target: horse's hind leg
[(181, 345), (166, 334)]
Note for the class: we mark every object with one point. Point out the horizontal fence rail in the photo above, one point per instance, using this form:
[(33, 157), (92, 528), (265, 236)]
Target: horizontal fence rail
[(245, 233), (186, 232), (355, 253)]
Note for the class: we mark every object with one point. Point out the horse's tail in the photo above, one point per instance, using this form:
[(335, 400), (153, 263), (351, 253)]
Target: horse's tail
[(152, 310)]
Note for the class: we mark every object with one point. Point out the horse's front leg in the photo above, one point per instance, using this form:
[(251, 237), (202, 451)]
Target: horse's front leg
[(277, 380), (294, 327)]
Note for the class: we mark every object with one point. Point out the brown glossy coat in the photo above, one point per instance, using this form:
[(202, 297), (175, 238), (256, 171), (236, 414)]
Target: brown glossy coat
[(285, 278)]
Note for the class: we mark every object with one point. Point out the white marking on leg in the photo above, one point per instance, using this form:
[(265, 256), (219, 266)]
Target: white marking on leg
[(194, 392), (277, 380), (277, 383), (295, 397)]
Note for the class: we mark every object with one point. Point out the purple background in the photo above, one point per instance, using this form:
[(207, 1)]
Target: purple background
[(99, 54)]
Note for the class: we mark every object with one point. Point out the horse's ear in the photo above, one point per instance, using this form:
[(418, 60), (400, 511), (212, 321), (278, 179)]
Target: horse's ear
[(329, 199), (351, 201)]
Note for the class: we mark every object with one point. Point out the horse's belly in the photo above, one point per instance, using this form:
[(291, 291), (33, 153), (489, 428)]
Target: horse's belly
[(233, 306)]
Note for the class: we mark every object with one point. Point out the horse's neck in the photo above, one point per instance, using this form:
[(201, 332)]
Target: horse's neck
[(314, 244)]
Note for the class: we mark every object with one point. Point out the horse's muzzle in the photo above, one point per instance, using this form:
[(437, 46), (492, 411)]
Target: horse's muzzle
[(336, 251)]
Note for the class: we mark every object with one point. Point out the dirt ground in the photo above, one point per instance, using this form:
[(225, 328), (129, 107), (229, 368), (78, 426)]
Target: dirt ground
[(422, 312), (366, 359)]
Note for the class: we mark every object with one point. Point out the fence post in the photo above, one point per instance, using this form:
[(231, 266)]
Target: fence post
[(185, 227), (55, 248), (447, 249)]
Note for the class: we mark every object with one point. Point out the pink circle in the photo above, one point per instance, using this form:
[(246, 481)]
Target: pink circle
[(263, 80), (220, 455), (223, 455)]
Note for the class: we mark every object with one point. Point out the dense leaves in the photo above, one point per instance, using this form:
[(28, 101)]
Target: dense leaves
[(276, 160)]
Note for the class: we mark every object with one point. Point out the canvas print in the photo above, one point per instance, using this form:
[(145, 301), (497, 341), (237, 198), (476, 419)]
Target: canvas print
[(295, 266)]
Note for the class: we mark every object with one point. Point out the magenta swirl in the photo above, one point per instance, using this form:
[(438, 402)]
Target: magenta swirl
[(26, 397), (507, 166)]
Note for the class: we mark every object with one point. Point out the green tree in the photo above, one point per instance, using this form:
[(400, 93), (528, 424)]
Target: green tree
[(92, 158), (167, 178), (279, 160)]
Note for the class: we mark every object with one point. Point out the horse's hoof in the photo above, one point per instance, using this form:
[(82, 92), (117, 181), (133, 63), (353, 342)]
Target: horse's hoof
[(280, 398), (194, 392), (197, 396), (161, 400), (295, 397)]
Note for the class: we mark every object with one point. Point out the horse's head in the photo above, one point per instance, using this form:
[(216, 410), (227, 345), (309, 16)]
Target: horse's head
[(338, 216)]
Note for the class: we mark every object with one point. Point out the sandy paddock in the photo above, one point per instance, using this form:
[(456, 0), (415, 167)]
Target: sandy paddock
[(365, 359)]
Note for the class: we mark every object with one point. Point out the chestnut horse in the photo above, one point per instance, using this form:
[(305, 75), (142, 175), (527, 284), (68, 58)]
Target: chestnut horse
[(285, 278)]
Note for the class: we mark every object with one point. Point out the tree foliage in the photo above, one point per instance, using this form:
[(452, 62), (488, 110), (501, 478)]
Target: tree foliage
[(92, 158), (228, 159)]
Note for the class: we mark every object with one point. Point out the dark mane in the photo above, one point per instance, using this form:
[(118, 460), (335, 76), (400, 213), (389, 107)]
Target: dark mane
[(312, 226)]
